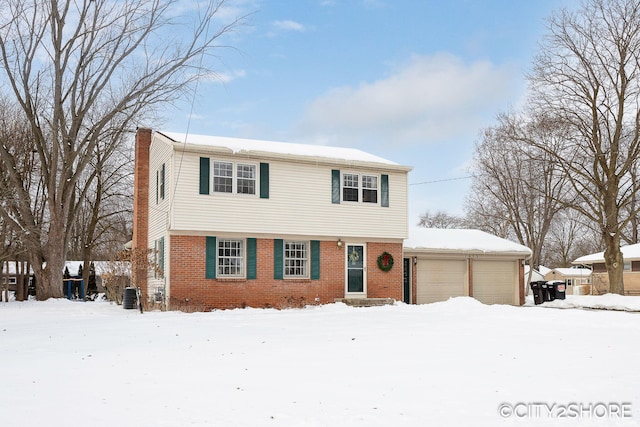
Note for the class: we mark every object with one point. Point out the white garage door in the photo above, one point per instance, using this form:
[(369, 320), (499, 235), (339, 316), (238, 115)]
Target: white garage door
[(438, 280), (495, 282)]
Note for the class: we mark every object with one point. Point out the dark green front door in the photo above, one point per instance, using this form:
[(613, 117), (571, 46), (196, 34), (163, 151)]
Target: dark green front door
[(355, 269)]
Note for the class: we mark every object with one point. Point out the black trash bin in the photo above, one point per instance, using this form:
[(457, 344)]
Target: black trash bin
[(130, 298), (538, 293), (549, 293), (559, 289)]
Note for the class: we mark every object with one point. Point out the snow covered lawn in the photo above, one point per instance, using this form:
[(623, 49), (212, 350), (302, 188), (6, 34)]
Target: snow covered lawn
[(456, 363)]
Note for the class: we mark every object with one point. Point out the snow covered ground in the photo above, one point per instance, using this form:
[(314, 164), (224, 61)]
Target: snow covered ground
[(456, 363)]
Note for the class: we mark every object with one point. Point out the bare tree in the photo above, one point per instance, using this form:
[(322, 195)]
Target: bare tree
[(517, 185), (587, 76), (441, 219), (83, 73)]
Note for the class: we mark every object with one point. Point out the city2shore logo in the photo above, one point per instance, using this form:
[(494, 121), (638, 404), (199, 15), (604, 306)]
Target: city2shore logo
[(572, 410)]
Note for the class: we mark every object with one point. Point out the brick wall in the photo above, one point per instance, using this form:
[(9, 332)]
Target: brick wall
[(140, 242), (190, 290)]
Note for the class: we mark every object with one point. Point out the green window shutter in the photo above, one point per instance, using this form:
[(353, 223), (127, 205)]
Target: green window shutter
[(162, 182), (210, 257), (315, 260), (335, 186), (161, 257), (251, 258), (204, 175), (157, 185), (278, 261), (384, 190), (264, 180)]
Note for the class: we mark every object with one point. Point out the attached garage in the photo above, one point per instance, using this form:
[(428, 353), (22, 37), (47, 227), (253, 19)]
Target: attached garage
[(442, 279), (448, 263)]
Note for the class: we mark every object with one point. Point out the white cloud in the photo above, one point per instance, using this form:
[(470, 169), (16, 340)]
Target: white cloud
[(224, 78), (428, 99), (289, 25)]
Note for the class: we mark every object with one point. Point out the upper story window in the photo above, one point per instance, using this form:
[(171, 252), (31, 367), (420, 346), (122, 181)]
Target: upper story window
[(350, 188), (356, 188), (224, 182), (160, 179), (246, 179), (369, 189)]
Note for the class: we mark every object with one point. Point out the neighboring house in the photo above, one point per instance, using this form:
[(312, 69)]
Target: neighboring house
[(445, 263), (600, 278), (576, 279), (233, 222), (536, 276), (10, 275)]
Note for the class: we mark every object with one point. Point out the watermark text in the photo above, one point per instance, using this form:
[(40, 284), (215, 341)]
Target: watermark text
[(572, 410)]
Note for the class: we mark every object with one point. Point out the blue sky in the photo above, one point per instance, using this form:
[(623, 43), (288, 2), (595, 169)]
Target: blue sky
[(411, 81)]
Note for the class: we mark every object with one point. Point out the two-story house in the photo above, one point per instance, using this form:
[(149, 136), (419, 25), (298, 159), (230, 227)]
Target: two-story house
[(233, 222)]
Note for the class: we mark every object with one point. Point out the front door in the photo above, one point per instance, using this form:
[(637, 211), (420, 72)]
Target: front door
[(356, 270)]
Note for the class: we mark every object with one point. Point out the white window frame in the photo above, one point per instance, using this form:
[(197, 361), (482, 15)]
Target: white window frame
[(239, 265), (245, 167), (367, 181), (299, 260), (237, 169), (214, 190), (363, 183), (344, 186)]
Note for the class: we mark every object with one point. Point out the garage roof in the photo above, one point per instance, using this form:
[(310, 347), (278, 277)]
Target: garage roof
[(439, 240)]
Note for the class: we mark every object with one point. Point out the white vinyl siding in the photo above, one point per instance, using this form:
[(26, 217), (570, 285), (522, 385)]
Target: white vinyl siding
[(299, 203), (159, 164)]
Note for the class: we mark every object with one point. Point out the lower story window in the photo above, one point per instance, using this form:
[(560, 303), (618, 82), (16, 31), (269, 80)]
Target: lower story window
[(230, 258), (296, 259)]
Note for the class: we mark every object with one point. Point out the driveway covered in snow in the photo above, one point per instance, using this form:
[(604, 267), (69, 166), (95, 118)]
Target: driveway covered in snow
[(455, 363)]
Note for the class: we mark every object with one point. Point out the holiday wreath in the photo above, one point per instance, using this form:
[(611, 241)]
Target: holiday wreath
[(385, 261)]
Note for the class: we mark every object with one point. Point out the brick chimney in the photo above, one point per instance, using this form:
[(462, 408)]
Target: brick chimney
[(140, 244)]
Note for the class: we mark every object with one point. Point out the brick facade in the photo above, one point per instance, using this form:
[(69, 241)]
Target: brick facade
[(140, 243), (191, 291)]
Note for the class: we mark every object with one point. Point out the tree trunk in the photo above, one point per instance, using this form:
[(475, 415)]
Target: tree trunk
[(50, 285), (614, 263)]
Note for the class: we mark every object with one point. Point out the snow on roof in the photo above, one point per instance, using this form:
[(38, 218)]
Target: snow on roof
[(582, 272), (461, 240), (629, 252), (543, 270), (239, 145)]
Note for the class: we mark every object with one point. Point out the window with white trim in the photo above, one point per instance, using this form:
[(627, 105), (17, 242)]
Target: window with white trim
[(296, 259), (350, 188), (369, 189), (246, 179), (356, 188), (222, 177), (238, 178), (230, 258)]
